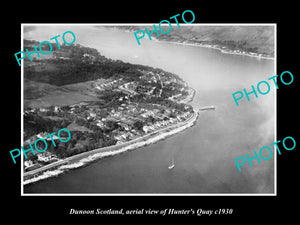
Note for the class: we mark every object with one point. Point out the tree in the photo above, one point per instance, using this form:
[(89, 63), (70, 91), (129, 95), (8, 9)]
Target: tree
[(32, 157), (112, 125), (173, 115), (79, 121), (100, 142), (138, 125), (150, 119)]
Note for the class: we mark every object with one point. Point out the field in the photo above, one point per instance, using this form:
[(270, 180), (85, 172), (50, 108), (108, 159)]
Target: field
[(75, 127), (39, 95)]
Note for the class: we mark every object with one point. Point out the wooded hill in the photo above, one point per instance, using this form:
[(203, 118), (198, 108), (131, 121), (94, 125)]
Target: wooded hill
[(257, 39)]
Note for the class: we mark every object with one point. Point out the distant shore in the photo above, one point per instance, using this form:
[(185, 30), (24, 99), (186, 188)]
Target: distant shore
[(82, 159), (223, 50)]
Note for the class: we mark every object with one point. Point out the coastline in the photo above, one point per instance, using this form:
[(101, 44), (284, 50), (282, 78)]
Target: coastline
[(220, 48), (84, 158), (225, 51)]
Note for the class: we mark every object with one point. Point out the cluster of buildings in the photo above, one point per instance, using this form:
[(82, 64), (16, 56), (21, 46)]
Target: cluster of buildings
[(101, 86), (42, 158), (164, 123), (30, 165), (124, 136), (133, 87), (47, 157), (133, 119), (127, 115), (129, 87), (175, 97)]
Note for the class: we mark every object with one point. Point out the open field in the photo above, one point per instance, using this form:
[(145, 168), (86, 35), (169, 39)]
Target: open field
[(39, 95)]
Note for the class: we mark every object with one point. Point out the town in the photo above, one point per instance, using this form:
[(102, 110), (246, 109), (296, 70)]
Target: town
[(127, 108)]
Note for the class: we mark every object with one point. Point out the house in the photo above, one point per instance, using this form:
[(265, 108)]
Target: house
[(172, 120), (57, 109), (91, 116), (100, 124), (47, 157), (151, 127), (99, 88), (44, 110), (41, 135), (49, 138), (131, 135), (146, 129), (29, 165), (54, 137), (118, 138), (147, 114), (124, 125), (120, 142)]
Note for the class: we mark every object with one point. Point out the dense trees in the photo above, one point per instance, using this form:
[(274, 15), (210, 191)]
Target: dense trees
[(112, 125), (138, 125), (81, 142), (34, 124), (75, 68), (62, 72)]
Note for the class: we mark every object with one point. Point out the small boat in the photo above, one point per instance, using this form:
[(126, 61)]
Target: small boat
[(171, 164), (207, 108)]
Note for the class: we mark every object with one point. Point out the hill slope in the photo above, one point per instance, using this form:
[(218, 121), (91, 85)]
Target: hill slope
[(39, 95), (257, 39)]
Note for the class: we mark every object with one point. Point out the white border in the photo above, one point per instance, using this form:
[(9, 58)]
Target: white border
[(151, 194), (22, 112)]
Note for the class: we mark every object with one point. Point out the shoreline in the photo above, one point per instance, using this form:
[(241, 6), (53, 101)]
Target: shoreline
[(84, 158), (231, 52), (225, 51)]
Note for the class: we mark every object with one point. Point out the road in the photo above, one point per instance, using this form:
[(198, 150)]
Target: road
[(191, 119)]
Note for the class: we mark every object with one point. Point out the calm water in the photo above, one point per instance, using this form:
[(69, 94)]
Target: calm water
[(204, 154)]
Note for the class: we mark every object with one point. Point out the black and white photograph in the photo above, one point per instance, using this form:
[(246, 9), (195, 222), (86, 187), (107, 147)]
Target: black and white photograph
[(144, 109)]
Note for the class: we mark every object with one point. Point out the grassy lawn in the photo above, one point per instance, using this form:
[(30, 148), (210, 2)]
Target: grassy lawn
[(75, 127)]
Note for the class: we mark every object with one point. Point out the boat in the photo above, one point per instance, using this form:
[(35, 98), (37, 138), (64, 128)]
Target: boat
[(171, 164), (207, 108)]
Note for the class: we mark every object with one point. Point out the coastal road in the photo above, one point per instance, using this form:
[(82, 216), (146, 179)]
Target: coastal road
[(191, 119)]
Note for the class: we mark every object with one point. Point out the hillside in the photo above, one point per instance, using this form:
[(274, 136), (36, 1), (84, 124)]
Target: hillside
[(39, 95), (257, 39), (75, 64), (73, 73), (103, 102)]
